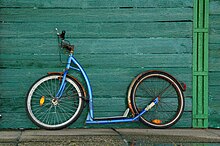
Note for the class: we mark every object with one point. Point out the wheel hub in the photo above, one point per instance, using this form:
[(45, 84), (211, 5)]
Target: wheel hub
[(55, 102)]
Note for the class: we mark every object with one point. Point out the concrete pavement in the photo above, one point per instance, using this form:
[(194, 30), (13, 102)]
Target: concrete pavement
[(108, 136)]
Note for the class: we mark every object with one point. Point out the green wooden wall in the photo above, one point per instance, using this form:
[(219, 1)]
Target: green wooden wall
[(115, 41), (214, 64)]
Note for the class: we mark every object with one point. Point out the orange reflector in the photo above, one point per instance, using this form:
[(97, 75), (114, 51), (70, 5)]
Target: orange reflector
[(156, 121), (42, 99)]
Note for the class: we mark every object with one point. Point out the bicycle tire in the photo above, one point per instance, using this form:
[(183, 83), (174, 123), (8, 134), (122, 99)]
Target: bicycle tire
[(54, 114), (149, 85)]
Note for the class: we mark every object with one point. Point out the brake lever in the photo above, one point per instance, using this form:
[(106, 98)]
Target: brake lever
[(62, 35), (57, 31)]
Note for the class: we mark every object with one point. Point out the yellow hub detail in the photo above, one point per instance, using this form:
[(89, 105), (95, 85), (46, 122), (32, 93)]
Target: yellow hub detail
[(42, 100)]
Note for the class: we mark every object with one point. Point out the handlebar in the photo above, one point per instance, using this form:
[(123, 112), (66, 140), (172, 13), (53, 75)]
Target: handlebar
[(62, 35), (64, 43)]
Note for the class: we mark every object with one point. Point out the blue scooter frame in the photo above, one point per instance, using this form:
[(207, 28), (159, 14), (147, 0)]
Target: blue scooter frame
[(90, 118), (162, 93)]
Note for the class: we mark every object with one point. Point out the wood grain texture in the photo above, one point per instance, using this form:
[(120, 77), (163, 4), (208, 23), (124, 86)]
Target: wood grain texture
[(114, 41), (97, 4), (214, 64)]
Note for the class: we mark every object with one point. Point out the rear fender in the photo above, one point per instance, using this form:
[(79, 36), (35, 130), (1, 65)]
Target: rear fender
[(181, 84)]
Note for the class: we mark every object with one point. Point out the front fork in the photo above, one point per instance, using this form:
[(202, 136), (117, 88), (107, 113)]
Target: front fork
[(62, 86)]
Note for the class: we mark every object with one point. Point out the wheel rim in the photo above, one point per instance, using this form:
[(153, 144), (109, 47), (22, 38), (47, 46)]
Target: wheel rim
[(54, 113), (170, 106)]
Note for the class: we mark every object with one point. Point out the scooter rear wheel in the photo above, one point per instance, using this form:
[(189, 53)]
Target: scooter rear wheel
[(156, 84)]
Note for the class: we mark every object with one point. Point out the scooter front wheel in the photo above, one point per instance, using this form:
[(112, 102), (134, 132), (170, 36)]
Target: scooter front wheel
[(49, 112)]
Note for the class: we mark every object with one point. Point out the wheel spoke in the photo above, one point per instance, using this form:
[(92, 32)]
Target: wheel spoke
[(54, 114), (147, 88)]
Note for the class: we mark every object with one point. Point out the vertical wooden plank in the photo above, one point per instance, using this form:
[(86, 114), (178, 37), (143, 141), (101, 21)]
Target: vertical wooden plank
[(195, 65), (200, 67), (200, 63), (206, 48)]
